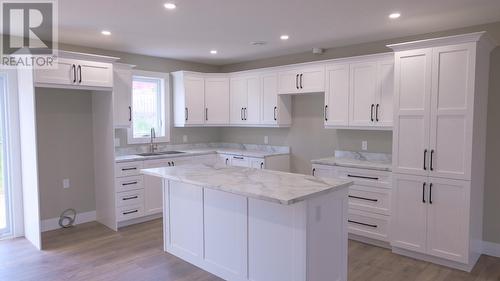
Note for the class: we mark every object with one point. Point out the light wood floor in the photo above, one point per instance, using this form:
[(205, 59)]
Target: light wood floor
[(93, 252)]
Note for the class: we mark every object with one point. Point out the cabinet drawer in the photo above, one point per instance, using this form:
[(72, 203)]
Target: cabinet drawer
[(240, 161), (130, 198), (128, 169), (370, 199), (129, 183), (129, 212), (364, 176), (369, 225)]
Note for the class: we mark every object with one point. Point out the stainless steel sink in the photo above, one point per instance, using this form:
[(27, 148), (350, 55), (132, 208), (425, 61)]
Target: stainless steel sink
[(160, 153)]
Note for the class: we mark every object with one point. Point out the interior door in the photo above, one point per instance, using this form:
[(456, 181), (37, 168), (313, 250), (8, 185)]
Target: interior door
[(216, 100), (363, 89), (412, 111), (451, 111), (238, 100), (409, 215), (194, 88), (252, 111), (384, 113), (337, 95), (448, 219), (269, 99)]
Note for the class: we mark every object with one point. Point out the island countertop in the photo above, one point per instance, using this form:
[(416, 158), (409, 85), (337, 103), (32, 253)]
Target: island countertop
[(279, 187)]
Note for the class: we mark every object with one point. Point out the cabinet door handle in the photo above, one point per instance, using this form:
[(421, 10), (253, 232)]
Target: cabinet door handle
[(241, 113), (245, 113), (275, 108), (169, 164), (314, 171), (130, 198), (326, 112), (74, 73), (238, 157), (80, 72), (206, 114), (363, 177), (261, 165), (362, 223), (129, 114), (227, 160), (423, 192), (363, 198), (130, 212), (301, 81), (371, 112), (129, 169), (173, 164), (425, 159), (432, 166), (297, 81), (376, 112), (186, 113), (129, 183), (430, 193)]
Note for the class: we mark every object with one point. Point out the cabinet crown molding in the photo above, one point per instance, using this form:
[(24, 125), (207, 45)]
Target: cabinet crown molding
[(85, 56), (482, 37)]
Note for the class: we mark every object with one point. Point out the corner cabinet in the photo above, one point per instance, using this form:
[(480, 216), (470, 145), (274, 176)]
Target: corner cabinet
[(359, 93), (78, 71), (439, 146), (122, 95)]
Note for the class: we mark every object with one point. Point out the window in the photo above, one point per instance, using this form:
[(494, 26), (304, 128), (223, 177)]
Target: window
[(150, 107)]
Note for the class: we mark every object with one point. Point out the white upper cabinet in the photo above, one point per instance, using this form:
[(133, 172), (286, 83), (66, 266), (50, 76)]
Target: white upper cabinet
[(305, 79), (78, 71), (189, 99), (238, 98), (216, 101), (359, 93), (122, 95), (245, 97), (276, 109)]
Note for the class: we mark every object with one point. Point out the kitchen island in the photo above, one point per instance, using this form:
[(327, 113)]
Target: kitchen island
[(251, 224)]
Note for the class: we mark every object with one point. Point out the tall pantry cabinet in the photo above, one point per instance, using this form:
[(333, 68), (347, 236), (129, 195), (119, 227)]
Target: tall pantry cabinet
[(439, 139)]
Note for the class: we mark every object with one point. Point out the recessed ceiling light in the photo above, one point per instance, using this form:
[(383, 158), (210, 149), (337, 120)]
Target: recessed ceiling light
[(169, 6), (284, 37), (106, 32), (213, 52), (394, 15)]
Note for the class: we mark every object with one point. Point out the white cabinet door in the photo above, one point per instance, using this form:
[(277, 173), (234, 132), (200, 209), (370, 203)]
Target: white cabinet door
[(451, 111), (224, 159), (95, 74), (448, 219), (153, 203), (257, 163), (238, 100), (384, 112), (63, 74), (312, 79), (337, 95), (122, 96), (409, 215), (322, 171), (363, 88), (412, 111), (270, 99), (288, 82), (217, 101), (252, 110), (194, 88)]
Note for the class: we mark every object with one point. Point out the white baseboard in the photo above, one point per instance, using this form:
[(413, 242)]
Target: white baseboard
[(491, 249), (52, 224)]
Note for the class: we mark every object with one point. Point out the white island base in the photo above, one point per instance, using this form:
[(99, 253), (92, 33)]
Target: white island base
[(239, 237)]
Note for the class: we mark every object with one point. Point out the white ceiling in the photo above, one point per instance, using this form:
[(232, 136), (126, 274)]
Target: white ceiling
[(197, 26)]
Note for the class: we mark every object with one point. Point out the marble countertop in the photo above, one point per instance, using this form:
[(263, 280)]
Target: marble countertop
[(361, 160), (279, 187)]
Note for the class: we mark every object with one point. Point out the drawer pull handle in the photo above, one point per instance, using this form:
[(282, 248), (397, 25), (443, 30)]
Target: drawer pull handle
[(129, 183), (130, 198), (362, 223), (238, 157), (130, 212), (363, 177), (129, 169), (363, 198)]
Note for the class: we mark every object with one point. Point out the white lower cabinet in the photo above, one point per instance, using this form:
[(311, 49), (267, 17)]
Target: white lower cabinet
[(369, 199), (431, 216)]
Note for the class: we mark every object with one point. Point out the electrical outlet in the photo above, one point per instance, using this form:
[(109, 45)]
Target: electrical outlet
[(184, 138), (266, 139), (66, 183), (364, 145)]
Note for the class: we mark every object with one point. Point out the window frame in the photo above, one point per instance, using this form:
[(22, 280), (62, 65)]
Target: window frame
[(165, 88)]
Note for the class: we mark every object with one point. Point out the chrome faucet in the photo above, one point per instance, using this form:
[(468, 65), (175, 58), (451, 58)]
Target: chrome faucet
[(153, 146)]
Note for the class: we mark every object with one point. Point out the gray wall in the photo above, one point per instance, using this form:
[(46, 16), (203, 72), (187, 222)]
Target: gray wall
[(65, 150)]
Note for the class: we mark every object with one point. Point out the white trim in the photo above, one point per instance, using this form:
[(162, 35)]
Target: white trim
[(432, 259), (491, 249), (139, 220), (53, 223), (449, 40)]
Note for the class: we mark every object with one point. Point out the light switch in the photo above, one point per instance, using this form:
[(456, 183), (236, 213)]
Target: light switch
[(65, 183)]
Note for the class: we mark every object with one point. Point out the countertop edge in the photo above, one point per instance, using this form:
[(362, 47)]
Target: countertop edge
[(358, 166)]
